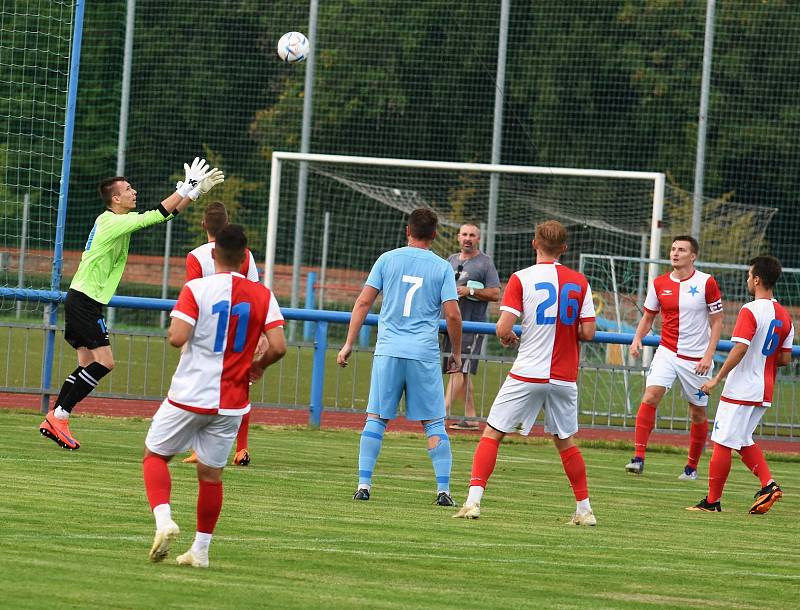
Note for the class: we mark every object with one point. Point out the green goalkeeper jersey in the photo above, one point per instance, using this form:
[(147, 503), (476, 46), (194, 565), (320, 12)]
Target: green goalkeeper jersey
[(106, 253)]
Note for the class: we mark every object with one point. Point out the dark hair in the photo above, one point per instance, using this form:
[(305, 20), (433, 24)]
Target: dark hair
[(767, 269), (215, 216), (422, 223), (695, 247), (230, 245), (107, 188)]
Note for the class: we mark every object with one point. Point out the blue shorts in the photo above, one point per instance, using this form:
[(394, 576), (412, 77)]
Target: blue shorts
[(422, 382)]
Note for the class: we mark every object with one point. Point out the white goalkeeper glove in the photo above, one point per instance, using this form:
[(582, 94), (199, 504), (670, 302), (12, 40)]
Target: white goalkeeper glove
[(214, 178), (195, 174)]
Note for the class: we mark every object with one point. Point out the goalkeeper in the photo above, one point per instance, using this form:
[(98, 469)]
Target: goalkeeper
[(96, 280)]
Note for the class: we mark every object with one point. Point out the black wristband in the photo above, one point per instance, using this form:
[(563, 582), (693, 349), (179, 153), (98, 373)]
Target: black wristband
[(163, 210)]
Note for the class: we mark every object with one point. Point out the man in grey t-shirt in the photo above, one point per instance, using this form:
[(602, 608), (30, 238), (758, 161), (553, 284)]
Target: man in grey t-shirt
[(477, 284)]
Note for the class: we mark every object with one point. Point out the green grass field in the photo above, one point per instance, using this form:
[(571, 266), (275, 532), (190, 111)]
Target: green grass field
[(76, 529)]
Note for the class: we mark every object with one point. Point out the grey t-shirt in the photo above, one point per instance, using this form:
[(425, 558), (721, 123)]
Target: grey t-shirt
[(479, 268)]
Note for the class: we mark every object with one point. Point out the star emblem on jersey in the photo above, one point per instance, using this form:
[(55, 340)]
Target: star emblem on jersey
[(700, 394), (693, 290)]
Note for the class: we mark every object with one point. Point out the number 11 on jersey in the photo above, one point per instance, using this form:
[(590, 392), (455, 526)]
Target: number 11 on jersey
[(241, 311)]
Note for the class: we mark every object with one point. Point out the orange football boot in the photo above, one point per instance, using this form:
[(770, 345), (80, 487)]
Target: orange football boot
[(192, 459), (765, 498), (57, 430), (242, 458)]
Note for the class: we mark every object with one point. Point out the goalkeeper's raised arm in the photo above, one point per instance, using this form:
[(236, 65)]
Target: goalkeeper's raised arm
[(97, 278)]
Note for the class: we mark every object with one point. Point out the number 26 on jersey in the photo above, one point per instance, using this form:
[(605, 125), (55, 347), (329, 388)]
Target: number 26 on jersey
[(563, 302)]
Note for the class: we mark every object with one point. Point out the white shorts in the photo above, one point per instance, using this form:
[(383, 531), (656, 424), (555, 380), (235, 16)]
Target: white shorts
[(666, 366), (518, 403), (734, 424), (175, 430)]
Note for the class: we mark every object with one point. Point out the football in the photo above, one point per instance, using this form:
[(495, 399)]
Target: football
[(293, 47)]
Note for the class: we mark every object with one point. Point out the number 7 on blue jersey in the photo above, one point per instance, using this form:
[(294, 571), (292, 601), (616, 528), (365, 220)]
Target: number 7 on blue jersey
[(416, 284)]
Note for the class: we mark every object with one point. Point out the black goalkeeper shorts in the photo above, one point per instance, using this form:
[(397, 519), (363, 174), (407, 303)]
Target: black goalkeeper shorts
[(85, 325)]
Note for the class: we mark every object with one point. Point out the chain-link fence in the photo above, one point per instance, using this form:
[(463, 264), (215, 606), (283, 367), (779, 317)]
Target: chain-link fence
[(609, 85)]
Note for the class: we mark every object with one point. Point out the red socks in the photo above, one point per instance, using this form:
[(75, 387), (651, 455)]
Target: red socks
[(575, 468), (697, 441), (645, 421), (241, 436), (753, 458), (718, 469), (484, 461), (157, 481), (209, 506)]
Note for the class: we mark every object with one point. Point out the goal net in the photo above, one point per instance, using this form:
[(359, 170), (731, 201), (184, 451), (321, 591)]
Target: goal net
[(367, 202)]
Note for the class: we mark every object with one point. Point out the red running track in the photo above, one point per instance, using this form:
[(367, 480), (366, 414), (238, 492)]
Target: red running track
[(331, 419)]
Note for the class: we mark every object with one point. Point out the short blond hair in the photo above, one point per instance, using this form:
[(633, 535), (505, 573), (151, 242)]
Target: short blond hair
[(551, 237)]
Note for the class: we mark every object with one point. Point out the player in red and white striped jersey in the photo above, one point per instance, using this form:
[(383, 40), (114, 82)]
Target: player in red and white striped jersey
[(557, 311), (200, 263), (690, 304), (218, 321), (763, 338)]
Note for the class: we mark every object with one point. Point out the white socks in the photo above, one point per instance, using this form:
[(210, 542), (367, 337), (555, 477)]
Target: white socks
[(163, 515), (475, 494), (583, 507), (61, 413), (201, 542)]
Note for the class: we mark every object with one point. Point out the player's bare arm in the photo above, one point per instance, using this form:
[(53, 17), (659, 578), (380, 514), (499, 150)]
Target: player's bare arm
[(734, 357), (490, 295), (505, 329), (586, 330), (452, 317), (715, 321), (645, 324), (363, 304), (262, 346), (784, 358), (276, 349), (179, 332)]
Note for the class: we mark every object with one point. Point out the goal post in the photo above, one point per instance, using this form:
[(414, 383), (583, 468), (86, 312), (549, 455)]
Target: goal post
[(383, 183)]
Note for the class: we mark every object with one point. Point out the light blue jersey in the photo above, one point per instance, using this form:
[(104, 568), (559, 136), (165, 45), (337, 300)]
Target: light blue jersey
[(415, 282)]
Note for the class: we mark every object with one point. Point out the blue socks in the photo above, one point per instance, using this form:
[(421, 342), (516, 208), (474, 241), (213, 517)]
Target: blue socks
[(372, 441), (441, 457), (369, 449)]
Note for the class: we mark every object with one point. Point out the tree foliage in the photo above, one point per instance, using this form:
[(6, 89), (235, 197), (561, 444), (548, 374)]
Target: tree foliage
[(589, 84)]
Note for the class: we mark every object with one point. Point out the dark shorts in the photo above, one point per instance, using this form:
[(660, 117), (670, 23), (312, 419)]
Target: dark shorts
[(85, 325), (470, 346)]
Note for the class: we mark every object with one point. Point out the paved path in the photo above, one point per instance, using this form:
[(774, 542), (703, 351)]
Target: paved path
[(354, 421)]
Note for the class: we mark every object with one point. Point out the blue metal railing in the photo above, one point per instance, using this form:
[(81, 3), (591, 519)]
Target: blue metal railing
[(323, 318)]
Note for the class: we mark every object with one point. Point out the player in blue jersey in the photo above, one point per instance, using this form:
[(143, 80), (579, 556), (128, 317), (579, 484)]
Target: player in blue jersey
[(416, 285)]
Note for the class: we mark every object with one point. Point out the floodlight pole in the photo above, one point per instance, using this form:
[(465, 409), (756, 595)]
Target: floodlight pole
[(702, 121), (124, 106), (497, 126), (305, 142)]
